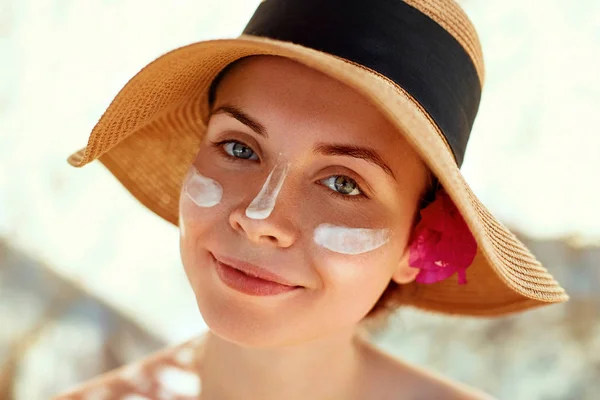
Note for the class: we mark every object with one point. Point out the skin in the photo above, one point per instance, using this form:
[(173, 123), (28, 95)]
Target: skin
[(301, 344), (338, 289), (270, 347)]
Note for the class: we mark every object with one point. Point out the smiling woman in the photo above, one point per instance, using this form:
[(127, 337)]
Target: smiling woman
[(319, 218), (299, 162)]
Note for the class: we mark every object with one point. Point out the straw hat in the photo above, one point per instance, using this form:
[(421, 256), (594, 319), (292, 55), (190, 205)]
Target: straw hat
[(418, 61)]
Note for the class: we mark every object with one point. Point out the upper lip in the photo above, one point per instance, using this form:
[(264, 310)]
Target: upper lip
[(253, 270)]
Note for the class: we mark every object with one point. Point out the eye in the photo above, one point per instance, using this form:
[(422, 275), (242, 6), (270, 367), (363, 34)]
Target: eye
[(239, 150), (342, 184)]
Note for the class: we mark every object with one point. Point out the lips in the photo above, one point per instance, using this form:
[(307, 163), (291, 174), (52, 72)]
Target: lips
[(249, 278)]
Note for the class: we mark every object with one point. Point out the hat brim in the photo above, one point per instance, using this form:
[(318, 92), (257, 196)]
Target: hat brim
[(151, 132)]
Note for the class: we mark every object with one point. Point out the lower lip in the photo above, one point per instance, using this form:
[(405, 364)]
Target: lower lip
[(247, 284)]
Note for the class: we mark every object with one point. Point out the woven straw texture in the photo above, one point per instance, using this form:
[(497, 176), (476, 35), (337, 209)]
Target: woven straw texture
[(151, 132), (453, 19)]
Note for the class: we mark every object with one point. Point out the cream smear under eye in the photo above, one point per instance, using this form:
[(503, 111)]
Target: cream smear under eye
[(346, 240), (203, 191)]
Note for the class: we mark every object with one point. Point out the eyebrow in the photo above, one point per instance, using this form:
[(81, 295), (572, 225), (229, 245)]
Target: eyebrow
[(243, 118), (369, 155), (326, 149)]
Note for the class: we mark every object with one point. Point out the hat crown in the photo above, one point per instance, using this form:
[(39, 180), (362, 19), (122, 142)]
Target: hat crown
[(450, 16), (428, 48), (446, 13)]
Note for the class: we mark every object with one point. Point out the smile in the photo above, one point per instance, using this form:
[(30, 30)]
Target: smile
[(250, 279)]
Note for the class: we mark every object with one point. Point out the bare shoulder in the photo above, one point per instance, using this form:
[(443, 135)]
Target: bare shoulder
[(169, 372), (394, 379)]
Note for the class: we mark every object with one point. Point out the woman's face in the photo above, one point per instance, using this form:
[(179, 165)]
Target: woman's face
[(307, 182)]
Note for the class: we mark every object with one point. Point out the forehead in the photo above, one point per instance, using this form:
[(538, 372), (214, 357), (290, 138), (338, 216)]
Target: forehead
[(286, 96), (278, 90)]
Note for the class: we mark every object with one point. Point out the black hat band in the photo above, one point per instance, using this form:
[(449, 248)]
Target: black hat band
[(392, 38)]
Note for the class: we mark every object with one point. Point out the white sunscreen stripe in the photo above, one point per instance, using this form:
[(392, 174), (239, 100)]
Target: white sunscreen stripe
[(263, 204), (350, 240), (203, 191)]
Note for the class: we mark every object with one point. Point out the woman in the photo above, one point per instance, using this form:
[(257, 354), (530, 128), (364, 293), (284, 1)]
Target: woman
[(312, 166)]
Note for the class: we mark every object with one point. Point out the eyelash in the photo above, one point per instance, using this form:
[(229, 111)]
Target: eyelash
[(219, 146), (356, 197)]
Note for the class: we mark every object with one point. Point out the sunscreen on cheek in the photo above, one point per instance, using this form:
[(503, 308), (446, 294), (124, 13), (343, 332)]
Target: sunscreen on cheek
[(345, 240), (203, 191)]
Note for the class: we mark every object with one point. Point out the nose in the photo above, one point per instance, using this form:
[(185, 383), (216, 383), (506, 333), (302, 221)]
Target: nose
[(275, 230), (257, 221)]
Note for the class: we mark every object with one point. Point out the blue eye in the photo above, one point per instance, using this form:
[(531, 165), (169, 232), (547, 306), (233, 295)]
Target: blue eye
[(342, 184), (239, 150)]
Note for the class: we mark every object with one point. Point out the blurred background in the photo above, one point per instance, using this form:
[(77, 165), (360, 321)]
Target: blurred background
[(90, 280)]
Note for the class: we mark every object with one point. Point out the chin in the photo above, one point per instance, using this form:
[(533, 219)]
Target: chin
[(247, 326), (255, 321), (250, 321), (258, 326)]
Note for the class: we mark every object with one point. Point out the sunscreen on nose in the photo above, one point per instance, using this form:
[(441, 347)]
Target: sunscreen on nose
[(263, 204)]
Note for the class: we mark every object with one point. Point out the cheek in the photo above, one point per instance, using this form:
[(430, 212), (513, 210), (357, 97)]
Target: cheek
[(357, 264), (354, 283), (198, 209)]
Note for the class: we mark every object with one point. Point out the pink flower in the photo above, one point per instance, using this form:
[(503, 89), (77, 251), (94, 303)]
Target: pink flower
[(442, 242)]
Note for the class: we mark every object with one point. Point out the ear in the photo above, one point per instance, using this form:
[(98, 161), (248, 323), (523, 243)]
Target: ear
[(405, 273)]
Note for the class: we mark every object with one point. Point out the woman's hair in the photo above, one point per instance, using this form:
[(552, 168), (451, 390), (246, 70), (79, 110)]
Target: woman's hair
[(390, 299)]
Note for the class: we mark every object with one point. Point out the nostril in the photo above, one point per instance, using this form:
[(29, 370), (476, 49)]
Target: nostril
[(238, 227), (271, 239)]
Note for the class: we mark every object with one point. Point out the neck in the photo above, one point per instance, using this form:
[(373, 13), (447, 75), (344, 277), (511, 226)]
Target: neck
[(324, 368)]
